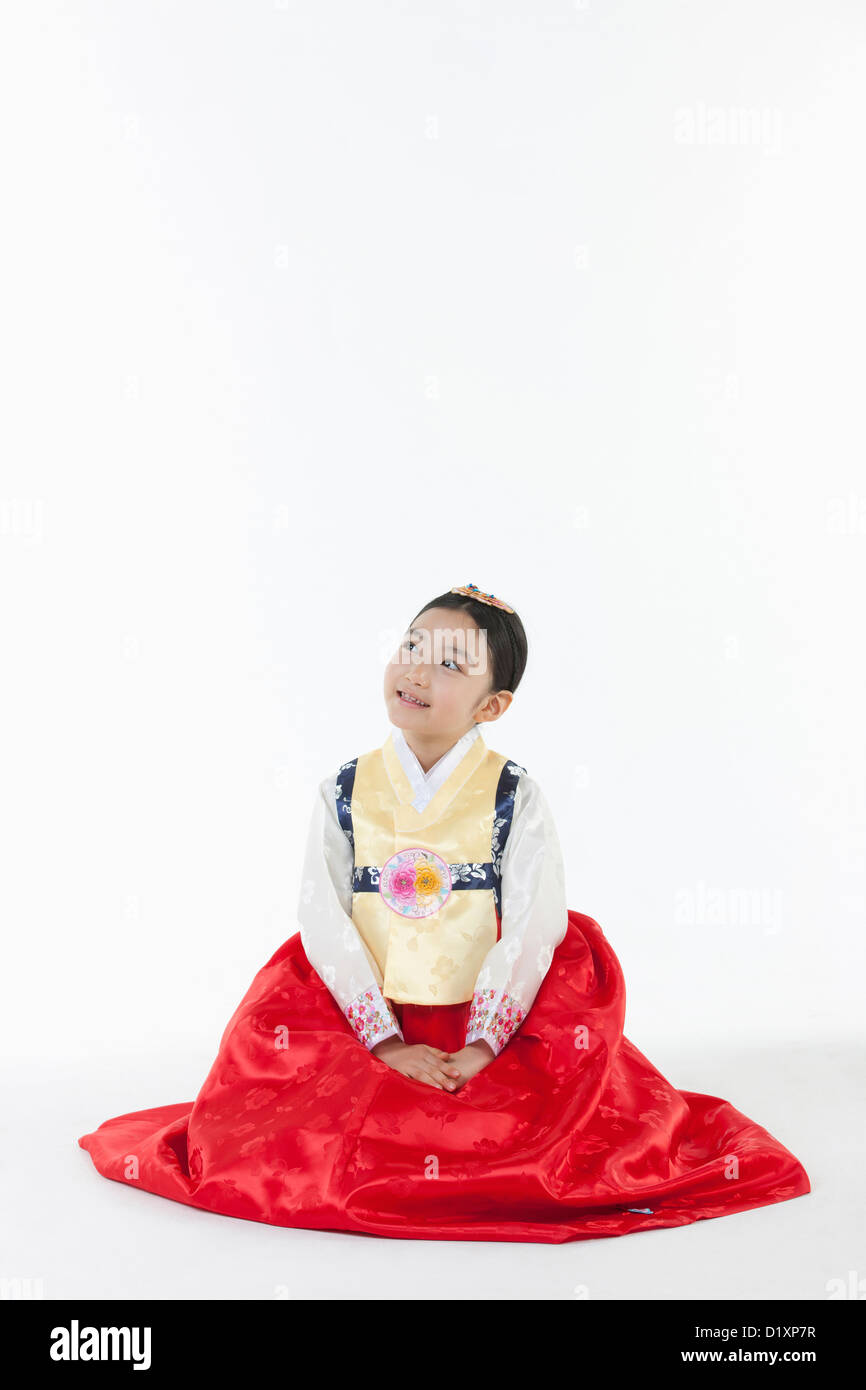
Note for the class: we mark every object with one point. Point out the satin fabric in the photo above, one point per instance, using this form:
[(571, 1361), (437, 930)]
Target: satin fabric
[(434, 959), (298, 1124), (438, 1025), (531, 890)]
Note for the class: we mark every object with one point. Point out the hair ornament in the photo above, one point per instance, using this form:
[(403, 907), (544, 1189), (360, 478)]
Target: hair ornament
[(473, 591)]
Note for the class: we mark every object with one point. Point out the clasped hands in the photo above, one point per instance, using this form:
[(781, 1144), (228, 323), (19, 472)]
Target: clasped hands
[(447, 1071)]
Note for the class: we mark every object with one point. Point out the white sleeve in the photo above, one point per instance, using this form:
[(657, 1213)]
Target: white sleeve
[(329, 937), (534, 921)]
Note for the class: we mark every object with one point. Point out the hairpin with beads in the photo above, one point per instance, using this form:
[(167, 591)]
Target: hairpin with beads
[(473, 591)]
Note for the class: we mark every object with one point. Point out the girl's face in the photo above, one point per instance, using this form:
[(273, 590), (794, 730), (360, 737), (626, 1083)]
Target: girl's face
[(437, 683)]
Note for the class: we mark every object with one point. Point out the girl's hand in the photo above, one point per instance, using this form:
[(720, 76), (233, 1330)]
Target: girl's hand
[(472, 1059), (419, 1062)]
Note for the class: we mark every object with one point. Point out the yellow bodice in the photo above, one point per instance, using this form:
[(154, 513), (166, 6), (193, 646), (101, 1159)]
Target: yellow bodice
[(430, 915)]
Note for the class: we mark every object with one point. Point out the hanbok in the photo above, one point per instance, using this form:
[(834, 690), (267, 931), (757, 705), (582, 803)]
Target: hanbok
[(432, 907)]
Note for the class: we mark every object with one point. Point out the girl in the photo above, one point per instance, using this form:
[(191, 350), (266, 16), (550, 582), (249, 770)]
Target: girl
[(438, 1053)]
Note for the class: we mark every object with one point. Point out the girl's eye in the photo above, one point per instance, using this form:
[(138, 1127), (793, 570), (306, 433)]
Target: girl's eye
[(409, 644)]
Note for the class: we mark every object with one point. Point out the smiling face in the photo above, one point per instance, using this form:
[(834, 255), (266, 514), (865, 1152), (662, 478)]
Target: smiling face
[(437, 684)]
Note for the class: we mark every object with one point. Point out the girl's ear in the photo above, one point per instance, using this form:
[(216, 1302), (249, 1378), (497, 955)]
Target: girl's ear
[(495, 704)]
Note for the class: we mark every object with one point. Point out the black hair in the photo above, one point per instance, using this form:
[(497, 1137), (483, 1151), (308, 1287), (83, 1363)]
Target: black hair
[(507, 647)]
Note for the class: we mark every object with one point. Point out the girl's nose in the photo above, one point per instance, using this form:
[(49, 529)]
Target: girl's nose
[(419, 670)]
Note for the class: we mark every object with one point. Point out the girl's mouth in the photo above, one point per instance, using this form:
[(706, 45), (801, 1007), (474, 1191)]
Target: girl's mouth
[(409, 700)]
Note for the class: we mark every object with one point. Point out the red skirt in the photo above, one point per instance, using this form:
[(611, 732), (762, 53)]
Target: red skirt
[(438, 1025), (569, 1134)]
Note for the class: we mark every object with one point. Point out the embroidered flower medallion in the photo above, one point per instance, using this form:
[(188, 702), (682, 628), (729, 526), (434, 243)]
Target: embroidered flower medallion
[(415, 882)]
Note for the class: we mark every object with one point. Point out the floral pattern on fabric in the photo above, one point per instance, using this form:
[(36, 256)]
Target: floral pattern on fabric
[(509, 780), (494, 1017), (415, 882), (371, 1018)]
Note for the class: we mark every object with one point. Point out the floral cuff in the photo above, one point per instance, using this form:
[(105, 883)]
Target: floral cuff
[(371, 1018), (494, 1017)]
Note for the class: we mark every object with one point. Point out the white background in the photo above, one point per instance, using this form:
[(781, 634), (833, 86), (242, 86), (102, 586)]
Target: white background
[(312, 311)]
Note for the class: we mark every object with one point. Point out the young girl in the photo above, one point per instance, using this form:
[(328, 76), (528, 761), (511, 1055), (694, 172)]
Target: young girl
[(438, 1053)]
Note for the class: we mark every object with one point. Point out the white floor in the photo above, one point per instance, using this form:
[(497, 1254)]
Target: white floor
[(83, 1236)]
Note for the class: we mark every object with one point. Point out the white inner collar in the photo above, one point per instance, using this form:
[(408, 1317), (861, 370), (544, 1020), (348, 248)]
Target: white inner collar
[(425, 785)]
